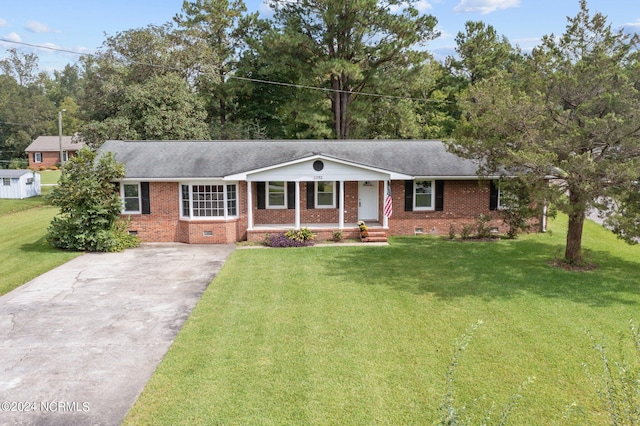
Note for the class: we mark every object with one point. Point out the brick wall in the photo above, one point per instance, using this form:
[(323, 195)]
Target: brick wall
[(48, 159), (164, 223), (464, 201)]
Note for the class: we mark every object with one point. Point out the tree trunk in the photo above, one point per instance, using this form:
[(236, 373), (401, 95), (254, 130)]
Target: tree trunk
[(340, 100), (573, 250)]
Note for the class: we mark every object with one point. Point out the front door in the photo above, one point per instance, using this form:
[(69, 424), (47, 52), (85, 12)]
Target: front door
[(368, 200)]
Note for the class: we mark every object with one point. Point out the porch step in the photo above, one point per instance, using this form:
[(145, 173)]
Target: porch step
[(375, 237)]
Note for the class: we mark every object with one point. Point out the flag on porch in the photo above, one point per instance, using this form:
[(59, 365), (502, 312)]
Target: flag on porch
[(388, 202)]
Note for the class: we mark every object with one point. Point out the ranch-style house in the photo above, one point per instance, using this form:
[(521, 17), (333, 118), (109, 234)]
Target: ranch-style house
[(230, 191)]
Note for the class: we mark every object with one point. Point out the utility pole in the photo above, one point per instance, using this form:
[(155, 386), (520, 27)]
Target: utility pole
[(60, 134)]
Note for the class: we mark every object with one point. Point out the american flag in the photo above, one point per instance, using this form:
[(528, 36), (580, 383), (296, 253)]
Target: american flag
[(388, 202)]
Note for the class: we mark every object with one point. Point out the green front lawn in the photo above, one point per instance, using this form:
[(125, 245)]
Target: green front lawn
[(365, 335), (49, 177), (25, 253)]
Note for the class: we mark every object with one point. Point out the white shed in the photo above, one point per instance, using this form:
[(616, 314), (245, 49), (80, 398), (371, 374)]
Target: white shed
[(19, 184)]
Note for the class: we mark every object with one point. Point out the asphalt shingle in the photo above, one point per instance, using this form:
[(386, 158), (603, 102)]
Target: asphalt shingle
[(217, 159)]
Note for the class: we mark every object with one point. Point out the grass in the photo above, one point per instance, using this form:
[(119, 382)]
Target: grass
[(365, 335), (23, 225), (49, 177)]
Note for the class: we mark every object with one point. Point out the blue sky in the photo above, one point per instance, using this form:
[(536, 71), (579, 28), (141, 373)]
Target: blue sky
[(80, 26)]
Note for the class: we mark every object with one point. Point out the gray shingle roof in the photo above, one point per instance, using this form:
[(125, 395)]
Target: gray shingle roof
[(13, 173), (216, 159), (52, 143)]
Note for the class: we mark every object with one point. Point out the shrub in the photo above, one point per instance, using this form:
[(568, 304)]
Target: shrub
[(466, 232), (452, 232), (282, 240), (337, 236), (301, 235), (89, 217), (482, 230)]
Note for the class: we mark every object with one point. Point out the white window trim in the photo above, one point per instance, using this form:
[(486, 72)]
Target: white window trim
[(499, 205), (191, 217), (333, 201), (433, 195), (65, 156), (37, 157), (267, 203), (139, 211)]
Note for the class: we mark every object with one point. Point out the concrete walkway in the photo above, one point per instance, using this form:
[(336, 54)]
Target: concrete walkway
[(80, 342)]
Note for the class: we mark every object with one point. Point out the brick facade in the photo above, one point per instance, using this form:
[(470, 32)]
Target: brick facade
[(463, 202), (49, 158)]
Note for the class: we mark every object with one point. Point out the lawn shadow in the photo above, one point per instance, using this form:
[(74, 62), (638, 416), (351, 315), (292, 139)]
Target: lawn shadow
[(503, 269)]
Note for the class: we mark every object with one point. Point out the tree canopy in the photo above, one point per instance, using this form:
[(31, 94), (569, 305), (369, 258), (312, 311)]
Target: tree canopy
[(571, 114)]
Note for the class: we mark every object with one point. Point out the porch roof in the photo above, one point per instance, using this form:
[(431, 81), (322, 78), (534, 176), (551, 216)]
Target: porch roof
[(158, 160)]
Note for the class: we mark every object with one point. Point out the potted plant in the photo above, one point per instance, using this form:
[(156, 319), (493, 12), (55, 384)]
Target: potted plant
[(364, 230)]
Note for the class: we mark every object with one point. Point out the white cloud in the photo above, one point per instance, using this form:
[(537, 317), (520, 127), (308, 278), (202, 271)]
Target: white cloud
[(632, 27), (38, 27), (423, 6), (13, 37), (3, 23), (484, 6), (265, 10)]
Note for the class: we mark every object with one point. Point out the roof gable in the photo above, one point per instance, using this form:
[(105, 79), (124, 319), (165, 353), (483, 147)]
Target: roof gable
[(52, 143)]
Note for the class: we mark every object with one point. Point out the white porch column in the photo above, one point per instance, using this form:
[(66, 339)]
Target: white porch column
[(297, 204), (249, 207), (385, 219), (341, 206)]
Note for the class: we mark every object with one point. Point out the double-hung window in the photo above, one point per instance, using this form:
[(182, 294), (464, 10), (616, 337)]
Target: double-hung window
[(423, 195), (209, 200), (276, 195), (130, 193), (325, 194), (37, 157)]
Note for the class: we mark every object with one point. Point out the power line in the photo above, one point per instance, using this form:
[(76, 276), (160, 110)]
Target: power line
[(253, 80)]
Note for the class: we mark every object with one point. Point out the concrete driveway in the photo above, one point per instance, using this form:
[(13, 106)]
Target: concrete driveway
[(80, 342)]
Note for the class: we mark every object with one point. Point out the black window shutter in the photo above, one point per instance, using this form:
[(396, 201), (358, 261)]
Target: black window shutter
[(261, 191), (291, 195), (439, 195), (337, 194), (311, 195), (146, 202), (408, 195), (493, 196)]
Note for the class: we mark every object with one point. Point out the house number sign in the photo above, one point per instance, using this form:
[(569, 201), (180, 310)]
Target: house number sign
[(317, 177)]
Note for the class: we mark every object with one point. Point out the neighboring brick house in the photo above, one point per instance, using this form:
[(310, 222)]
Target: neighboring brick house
[(44, 151), (228, 191)]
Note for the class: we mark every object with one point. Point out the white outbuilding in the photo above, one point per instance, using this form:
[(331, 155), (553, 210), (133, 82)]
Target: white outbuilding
[(19, 184)]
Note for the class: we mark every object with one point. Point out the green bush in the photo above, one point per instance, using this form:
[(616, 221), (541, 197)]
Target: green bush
[(301, 235), (89, 218)]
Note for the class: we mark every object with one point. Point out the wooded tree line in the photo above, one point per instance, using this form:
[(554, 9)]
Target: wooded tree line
[(317, 69), (569, 110)]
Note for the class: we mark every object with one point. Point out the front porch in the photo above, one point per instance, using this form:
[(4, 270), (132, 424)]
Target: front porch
[(323, 231)]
